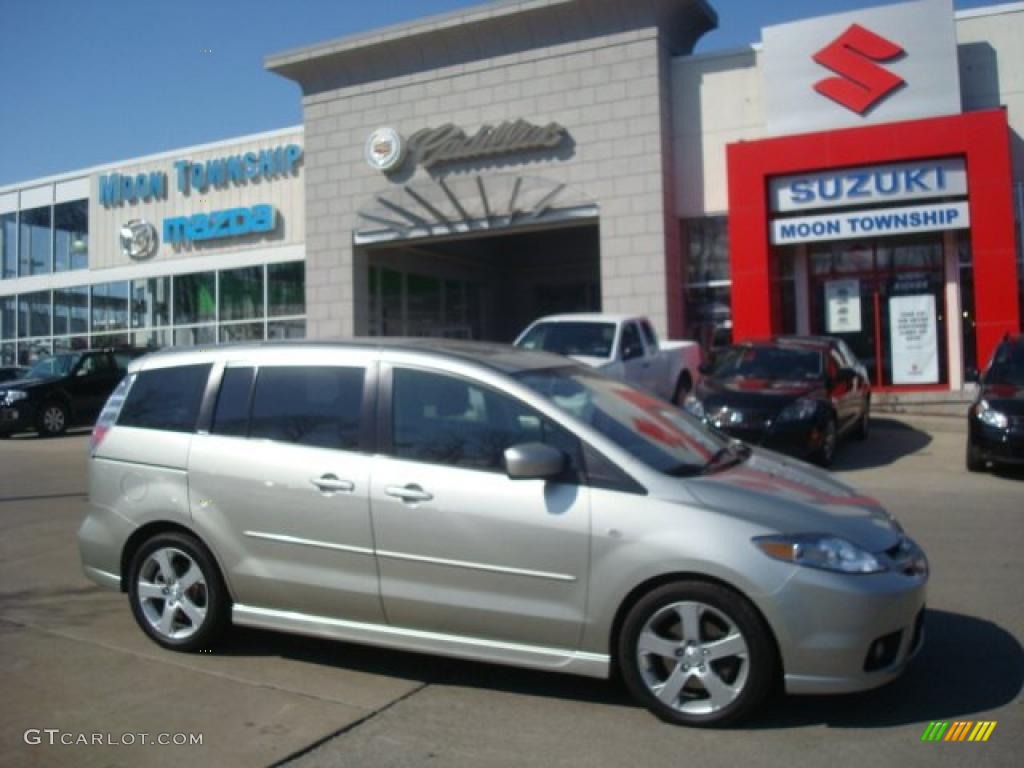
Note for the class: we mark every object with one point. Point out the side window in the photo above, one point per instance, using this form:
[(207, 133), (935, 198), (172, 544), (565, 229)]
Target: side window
[(231, 415), (835, 363), (93, 364), (649, 335), (632, 347), (166, 399), (440, 419), (314, 406)]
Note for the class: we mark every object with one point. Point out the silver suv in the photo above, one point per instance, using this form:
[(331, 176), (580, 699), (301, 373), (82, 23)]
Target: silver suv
[(494, 504)]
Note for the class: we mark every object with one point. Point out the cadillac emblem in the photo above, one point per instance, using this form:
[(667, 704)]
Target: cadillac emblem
[(139, 240), (385, 150)]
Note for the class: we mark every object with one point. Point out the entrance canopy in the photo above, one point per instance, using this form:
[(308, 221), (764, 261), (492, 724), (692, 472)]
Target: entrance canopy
[(468, 204)]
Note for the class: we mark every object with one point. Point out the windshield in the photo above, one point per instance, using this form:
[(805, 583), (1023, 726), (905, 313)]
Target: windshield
[(652, 431), (1007, 366), (583, 339), (58, 365), (766, 362)]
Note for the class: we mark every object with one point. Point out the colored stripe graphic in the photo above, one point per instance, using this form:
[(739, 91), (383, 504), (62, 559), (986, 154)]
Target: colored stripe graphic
[(934, 731), (982, 731)]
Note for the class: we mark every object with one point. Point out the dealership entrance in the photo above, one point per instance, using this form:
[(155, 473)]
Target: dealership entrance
[(482, 287), (886, 298)]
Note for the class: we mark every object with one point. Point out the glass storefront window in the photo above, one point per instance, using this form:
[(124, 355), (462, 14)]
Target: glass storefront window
[(195, 337), (151, 339), (707, 249), (8, 245), (286, 289), (286, 329), (7, 356), (151, 302), (194, 300), (111, 341), (34, 315), (8, 309), (110, 307), (709, 315), (241, 332), (70, 344), (71, 310), (241, 294), (71, 235), (35, 242), (34, 351)]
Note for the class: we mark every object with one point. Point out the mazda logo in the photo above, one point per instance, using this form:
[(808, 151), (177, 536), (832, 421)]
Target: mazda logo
[(138, 240)]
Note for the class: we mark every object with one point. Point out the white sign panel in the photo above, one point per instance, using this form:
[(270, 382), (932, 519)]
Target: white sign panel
[(913, 334), (842, 297), (946, 177), (882, 222), (874, 65)]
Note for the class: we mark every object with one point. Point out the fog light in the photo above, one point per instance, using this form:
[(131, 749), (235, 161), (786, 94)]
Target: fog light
[(883, 651)]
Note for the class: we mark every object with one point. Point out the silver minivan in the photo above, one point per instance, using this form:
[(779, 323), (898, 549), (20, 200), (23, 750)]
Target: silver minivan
[(495, 504)]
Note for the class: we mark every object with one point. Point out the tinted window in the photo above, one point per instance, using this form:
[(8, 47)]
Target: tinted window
[(1007, 365), (767, 362), (631, 344), (585, 339), (231, 416), (167, 399), (309, 406), (443, 420), (649, 336)]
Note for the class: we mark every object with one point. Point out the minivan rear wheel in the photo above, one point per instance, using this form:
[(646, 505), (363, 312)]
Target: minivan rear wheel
[(177, 594), (697, 654)]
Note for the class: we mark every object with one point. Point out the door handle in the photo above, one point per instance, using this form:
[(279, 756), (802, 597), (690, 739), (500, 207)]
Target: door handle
[(410, 494), (331, 484)]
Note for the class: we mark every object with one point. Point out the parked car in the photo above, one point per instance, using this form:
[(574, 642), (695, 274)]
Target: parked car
[(798, 395), (495, 504), (624, 347), (10, 373), (995, 422), (62, 391)]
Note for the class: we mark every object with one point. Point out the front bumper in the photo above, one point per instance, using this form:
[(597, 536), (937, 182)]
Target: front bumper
[(828, 626), (799, 439), (1001, 446)]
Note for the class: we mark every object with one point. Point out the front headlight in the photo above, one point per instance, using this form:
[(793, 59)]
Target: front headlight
[(828, 553), (694, 407), (12, 396), (800, 410), (992, 417)]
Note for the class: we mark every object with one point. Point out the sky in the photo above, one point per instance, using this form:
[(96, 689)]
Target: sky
[(86, 82)]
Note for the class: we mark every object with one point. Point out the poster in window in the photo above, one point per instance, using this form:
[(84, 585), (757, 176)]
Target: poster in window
[(913, 334), (842, 299)]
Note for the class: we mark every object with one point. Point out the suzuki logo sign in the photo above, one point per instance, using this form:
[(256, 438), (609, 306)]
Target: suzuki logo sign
[(856, 56), (872, 66)]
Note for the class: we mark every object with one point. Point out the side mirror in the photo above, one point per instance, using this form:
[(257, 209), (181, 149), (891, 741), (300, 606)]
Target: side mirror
[(972, 375), (632, 351), (533, 461), (705, 369)]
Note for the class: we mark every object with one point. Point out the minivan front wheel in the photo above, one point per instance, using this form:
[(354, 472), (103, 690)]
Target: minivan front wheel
[(696, 654), (176, 593)]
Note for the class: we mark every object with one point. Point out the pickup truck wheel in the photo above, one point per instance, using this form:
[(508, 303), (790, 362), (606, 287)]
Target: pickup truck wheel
[(683, 387)]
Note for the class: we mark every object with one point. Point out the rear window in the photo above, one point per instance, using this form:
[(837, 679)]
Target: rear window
[(166, 399), (314, 406)]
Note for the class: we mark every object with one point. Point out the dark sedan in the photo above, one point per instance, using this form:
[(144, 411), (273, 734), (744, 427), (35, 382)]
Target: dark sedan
[(62, 391), (796, 395), (995, 423)]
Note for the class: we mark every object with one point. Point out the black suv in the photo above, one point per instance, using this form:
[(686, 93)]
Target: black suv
[(995, 422), (62, 391)]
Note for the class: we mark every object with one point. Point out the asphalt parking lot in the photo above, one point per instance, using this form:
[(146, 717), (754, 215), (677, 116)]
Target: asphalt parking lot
[(73, 659)]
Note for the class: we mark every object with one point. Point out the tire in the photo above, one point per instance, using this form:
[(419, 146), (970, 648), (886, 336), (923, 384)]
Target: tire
[(186, 610), (827, 453), (683, 386), (655, 645), (864, 425), (52, 420), (975, 461)]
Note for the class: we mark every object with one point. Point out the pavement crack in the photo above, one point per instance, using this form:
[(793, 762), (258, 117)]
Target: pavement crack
[(348, 728)]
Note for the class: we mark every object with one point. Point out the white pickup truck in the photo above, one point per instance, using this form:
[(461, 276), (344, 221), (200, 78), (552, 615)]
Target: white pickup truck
[(622, 346)]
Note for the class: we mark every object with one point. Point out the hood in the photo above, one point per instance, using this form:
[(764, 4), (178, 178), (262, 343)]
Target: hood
[(788, 496), (1008, 398), (762, 394), (593, 362), (26, 384)]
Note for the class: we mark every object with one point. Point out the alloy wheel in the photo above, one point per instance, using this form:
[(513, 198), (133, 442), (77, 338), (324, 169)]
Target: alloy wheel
[(173, 593), (693, 658), (54, 420)]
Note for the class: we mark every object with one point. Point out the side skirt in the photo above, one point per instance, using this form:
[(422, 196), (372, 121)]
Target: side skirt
[(458, 646)]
